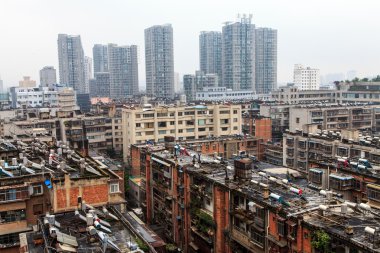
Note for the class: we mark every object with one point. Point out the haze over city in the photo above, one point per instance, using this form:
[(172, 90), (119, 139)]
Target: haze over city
[(334, 36)]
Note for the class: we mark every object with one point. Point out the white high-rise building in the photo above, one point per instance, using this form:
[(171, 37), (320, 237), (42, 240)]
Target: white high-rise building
[(1, 85), (238, 54), (159, 61), (71, 62), (100, 54), (48, 76), (123, 71), (210, 53), (87, 73), (306, 78)]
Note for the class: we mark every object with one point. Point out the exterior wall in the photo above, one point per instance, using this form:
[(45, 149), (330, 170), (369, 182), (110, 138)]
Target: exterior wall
[(306, 78), (94, 192), (159, 61), (293, 95), (221, 217), (137, 128)]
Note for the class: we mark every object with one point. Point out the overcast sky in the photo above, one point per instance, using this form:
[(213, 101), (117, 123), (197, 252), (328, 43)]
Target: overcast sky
[(332, 35)]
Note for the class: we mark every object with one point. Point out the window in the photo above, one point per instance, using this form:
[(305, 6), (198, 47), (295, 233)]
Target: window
[(162, 132), (190, 130), (148, 115), (190, 113), (297, 120), (281, 228), (37, 189), (180, 122), (11, 216), (315, 176), (172, 131), (235, 111), (9, 239), (160, 115), (172, 123), (162, 124), (373, 193), (180, 113), (224, 128), (180, 131), (235, 128), (114, 187), (138, 124), (257, 237), (235, 120)]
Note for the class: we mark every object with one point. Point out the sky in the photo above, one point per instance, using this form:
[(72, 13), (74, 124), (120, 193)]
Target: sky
[(335, 36)]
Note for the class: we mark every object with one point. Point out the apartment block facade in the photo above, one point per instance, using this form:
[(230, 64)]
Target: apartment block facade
[(184, 123), (266, 60), (210, 54), (71, 62), (306, 78), (159, 61), (238, 55)]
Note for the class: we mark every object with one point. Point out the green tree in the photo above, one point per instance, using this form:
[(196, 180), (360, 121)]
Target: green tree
[(376, 79), (142, 245), (321, 241)]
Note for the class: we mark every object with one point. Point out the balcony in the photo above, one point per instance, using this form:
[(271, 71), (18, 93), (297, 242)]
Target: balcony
[(14, 193), (243, 238)]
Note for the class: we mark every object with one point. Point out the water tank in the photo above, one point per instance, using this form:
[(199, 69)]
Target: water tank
[(243, 168), (182, 99)]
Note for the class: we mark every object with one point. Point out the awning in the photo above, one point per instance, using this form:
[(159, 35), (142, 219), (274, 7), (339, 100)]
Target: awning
[(281, 244), (341, 177), (316, 171), (195, 247), (162, 162)]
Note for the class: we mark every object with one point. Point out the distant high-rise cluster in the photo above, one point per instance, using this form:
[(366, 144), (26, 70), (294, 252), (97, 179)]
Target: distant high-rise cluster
[(159, 61), (242, 56), (239, 58), (116, 71)]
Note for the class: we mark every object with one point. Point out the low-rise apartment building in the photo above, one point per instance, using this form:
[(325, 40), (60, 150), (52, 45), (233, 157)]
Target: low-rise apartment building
[(45, 177), (142, 124), (204, 205), (327, 117)]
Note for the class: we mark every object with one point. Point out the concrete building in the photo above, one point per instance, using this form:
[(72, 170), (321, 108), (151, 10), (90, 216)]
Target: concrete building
[(27, 82), (27, 191), (221, 207), (238, 55), (358, 92), (210, 54), (265, 60), (1, 85), (294, 95), (306, 78), (177, 83), (87, 73), (326, 116), (71, 62), (100, 56), (159, 61), (224, 94), (198, 82), (184, 123), (48, 76), (100, 85), (123, 71), (37, 97)]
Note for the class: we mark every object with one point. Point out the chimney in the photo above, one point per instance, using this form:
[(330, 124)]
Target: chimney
[(266, 192), (243, 168), (169, 143)]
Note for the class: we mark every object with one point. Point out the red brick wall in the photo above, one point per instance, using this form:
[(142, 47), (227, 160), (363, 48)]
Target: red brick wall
[(273, 225), (95, 194), (221, 219), (74, 194), (263, 129), (61, 198), (307, 248), (135, 161)]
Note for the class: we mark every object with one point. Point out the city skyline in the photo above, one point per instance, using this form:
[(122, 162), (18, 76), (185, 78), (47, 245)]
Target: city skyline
[(306, 38)]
